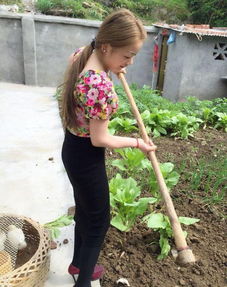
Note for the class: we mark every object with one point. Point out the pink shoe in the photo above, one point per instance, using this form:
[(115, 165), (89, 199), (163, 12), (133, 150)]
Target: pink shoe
[(97, 274)]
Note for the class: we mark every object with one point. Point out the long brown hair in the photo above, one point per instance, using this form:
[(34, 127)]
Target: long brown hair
[(121, 28)]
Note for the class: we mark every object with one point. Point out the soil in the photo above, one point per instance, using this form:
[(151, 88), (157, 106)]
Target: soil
[(133, 255)]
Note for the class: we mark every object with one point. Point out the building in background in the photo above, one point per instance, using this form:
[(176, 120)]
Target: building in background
[(190, 60)]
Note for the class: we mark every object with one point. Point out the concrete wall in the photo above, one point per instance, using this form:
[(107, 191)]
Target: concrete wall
[(191, 69), (34, 49), (11, 51)]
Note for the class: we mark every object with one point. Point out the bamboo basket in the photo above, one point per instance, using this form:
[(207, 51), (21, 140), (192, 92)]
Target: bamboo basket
[(5, 262), (34, 270)]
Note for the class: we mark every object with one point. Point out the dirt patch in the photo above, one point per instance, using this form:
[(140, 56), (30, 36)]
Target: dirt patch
[(133, 255)]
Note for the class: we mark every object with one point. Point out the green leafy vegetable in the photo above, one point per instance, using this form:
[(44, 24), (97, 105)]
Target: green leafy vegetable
[(54, 226), (160, 222), (125, 206), (171, 178), (133, 160), (122, 124)]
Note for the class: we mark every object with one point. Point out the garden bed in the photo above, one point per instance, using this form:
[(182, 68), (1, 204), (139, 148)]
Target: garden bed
[(198, 152), (133, 255)]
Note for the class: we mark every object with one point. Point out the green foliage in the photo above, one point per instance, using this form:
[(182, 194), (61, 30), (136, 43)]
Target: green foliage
[(172, 11), (44, 5), (184, 126), (210, 178), (133, 161), (160, 223), (156, 10), (126, 206), (122, 124), (157, 121), (163, 117), (213, 12), (78, 9), (220, 105), (54, 226), (221, 121), (170, 176)]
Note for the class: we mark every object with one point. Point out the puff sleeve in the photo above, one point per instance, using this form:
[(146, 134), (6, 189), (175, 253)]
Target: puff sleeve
[(97, 95)]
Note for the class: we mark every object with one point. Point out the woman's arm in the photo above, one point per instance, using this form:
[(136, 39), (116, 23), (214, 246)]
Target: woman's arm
[(100, 137)]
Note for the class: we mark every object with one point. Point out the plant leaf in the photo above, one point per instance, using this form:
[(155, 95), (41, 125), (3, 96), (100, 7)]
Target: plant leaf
[(118, 223), (156, 221), (188, 220), (119, 163), (165, 247)]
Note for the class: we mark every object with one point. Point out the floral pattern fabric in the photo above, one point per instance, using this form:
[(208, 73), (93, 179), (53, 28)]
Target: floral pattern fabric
[(95, 98)]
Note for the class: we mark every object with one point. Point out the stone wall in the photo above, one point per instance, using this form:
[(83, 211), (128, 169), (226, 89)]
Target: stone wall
[(34, 49)]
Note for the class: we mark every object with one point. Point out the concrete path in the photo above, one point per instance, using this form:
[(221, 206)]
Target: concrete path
[(33, 182)]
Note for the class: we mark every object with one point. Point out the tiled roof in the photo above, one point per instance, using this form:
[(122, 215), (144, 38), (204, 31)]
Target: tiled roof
[(200, 30)]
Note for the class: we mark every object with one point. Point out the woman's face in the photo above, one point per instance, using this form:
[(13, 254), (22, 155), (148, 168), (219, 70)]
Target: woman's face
[(116, 59)]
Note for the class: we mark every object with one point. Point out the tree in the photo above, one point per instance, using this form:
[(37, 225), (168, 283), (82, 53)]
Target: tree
[(212, 12)]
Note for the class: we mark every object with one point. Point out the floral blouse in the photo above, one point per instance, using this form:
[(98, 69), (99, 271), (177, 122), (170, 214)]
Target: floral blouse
[(95, 98)]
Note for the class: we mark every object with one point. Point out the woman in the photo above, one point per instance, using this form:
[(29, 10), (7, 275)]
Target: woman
[(89, 100)]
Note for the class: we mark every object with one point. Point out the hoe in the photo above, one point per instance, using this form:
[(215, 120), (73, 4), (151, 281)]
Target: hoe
[(185, 255)]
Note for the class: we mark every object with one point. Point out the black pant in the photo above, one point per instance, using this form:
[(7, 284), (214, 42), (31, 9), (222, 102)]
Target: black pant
[(85, 166)]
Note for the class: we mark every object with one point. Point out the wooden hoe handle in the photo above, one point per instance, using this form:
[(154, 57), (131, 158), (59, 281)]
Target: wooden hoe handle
[(185, 254)]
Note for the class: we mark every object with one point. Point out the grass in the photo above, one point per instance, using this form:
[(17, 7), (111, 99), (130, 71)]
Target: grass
[(211, 178), (78, 9), (207, 178)]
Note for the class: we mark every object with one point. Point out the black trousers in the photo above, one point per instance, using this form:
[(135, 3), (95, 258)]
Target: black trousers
[(85, 167)]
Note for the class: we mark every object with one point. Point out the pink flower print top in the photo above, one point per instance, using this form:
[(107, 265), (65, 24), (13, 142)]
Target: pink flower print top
[(95, 99)]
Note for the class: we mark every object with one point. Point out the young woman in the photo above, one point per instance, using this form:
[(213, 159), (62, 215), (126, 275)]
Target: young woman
[(89, 100)]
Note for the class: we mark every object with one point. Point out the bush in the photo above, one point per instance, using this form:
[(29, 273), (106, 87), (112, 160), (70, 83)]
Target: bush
[(213, 12), (72, 8), (172, 11)]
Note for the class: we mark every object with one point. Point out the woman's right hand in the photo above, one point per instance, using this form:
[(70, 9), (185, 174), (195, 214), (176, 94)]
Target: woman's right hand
[(146, 147)]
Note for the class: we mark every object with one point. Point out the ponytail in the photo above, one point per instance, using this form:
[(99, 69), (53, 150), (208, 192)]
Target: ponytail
[(72, 74)]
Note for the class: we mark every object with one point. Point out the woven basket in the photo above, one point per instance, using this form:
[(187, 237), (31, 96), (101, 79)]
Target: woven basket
[(5, 263), (33, 272)]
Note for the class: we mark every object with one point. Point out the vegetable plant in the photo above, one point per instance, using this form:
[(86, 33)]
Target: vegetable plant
[(171, 178), (221, 121), (160, 222), (126, 206), (184, 126), (157, 121), (55, 225), (163, 117), (133, 160), (122, 124)]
